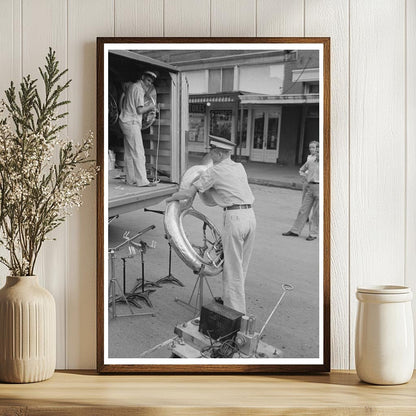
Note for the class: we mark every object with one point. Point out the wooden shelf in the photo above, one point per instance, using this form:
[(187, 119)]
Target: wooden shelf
[(86, 393)]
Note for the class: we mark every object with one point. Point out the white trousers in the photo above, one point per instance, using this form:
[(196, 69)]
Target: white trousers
[(238, 242), (134, 158), (304, 190), (310, 202)]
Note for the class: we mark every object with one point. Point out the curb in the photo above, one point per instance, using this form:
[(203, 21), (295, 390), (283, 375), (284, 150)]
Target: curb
[(277, 184)]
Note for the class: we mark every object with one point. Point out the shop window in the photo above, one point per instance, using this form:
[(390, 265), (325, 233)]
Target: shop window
[(214, 81), (221, 123), (242, 129), (227, 79), (259, 117), (312, 88), (221, 80), (197, 127), (272, 130)]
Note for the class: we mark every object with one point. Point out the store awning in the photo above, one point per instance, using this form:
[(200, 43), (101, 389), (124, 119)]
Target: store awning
[(280, 99), (212, 99)]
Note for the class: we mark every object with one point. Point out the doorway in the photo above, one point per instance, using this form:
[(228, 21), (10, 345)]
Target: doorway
[(311, 133), (266, 134)]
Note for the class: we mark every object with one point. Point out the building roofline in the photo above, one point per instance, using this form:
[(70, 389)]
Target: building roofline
[(246, 97)]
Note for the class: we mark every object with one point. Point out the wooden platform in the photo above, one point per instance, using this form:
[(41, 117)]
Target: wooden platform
[(86, 393), (124, 198)]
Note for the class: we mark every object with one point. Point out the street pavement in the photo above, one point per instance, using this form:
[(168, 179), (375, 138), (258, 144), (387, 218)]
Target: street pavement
[(294, 329), (268, 174)]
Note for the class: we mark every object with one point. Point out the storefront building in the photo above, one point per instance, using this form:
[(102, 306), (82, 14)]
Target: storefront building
[(272, 120), (265, 101)]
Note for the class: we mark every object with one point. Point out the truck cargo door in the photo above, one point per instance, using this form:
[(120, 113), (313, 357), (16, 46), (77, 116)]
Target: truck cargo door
[(184, 120)]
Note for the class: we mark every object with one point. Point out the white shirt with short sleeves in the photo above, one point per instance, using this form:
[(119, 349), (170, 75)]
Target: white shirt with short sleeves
[(134, 98), (311, 169), (228, 183)]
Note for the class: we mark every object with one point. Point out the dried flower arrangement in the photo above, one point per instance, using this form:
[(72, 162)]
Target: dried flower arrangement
[(42, 176)]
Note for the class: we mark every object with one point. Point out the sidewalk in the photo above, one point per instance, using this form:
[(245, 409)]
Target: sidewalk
[(271, 174), (268, 174)]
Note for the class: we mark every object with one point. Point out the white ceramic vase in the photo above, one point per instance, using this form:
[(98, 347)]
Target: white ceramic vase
[(384, 341), (27, 331)]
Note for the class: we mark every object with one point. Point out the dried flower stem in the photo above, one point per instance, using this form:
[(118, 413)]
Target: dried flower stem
[(37, 194)]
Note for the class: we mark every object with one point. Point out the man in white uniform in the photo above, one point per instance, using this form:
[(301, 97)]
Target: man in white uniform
[(130, 120), (230, 190)]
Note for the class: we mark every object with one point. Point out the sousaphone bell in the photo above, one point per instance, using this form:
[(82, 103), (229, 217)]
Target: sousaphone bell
[(208, 257)]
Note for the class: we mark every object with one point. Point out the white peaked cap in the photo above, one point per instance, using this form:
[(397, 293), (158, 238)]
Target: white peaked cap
[(221, 142), (152, 74)]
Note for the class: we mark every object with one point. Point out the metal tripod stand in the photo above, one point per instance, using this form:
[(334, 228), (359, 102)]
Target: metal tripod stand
[(143, 294), (169, 278), (114, 284), (199, 298)]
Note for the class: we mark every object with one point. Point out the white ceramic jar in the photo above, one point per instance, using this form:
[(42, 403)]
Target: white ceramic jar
[(384, 338)]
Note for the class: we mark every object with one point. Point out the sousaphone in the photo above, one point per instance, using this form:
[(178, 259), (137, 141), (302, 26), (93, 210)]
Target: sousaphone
[(114, 108), (207, 256), (149, 117)]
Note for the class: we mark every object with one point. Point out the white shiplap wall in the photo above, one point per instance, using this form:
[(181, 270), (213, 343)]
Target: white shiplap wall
[(373, 129)]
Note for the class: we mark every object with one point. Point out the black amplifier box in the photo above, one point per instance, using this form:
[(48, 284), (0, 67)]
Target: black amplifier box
[(219, 321)]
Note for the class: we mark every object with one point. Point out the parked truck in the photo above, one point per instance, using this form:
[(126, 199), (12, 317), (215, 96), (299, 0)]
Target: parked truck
[(164, 140)]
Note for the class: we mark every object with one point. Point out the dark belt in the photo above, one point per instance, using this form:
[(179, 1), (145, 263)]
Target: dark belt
[(236, 206), (314, 183)]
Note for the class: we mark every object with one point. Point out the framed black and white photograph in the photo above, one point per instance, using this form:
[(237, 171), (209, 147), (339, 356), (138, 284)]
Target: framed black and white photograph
[(213, 230)]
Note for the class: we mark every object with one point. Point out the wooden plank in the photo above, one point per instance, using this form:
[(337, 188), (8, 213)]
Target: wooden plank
[(86, 19), (10, 44), (187, 18), (182, 152), (331, 18), (138, 17), (153, 152), (163, 122), (161, 167), (10, 67), (233, 18), (86, 393), (163, 137), (44, 25), (124, 199), (410, 279), (377, 147), (280, 18)]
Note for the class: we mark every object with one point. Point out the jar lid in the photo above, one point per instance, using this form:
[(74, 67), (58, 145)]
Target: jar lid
[(384, 289)]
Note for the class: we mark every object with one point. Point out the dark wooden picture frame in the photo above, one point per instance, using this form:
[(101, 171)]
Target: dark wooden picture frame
[(176, 366)]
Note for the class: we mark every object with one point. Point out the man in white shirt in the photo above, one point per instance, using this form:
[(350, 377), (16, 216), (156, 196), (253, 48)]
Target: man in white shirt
[(229, 188), (130, 121), (310, 200)]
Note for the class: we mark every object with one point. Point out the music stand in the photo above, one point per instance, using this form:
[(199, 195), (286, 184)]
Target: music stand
[(169, 278), (144, 294), (129, 299), (113, 283)]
